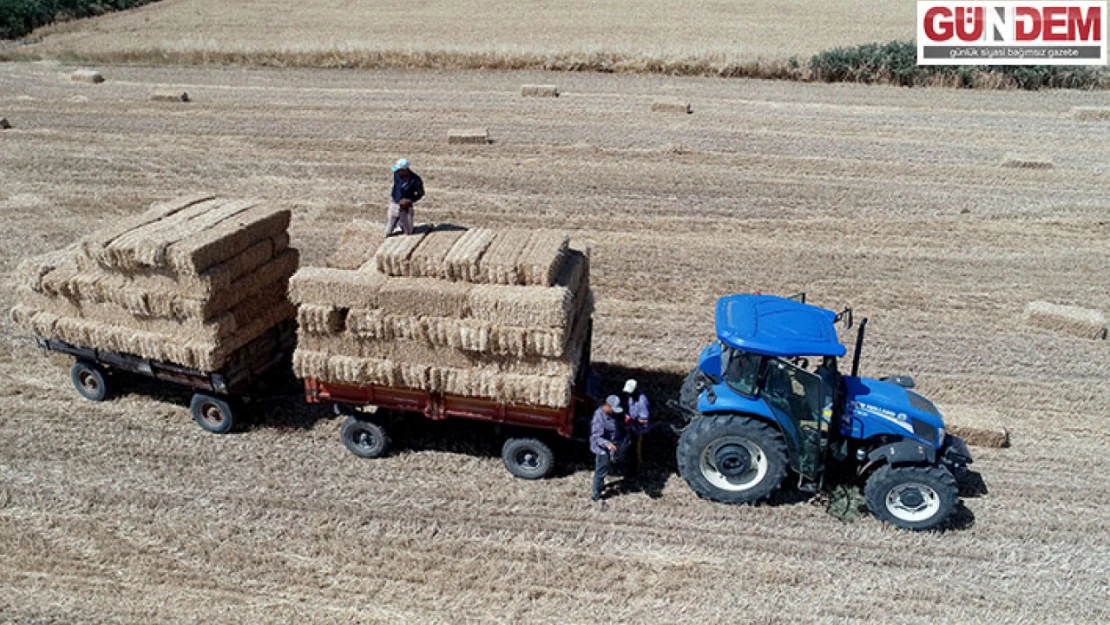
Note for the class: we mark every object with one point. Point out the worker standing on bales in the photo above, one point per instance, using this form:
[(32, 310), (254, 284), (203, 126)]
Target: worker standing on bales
[(636, 407), (606, 437), (408, 188)]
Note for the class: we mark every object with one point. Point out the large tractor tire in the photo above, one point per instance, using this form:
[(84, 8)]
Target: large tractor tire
[(732, 458), (912, 497), (691, 389)]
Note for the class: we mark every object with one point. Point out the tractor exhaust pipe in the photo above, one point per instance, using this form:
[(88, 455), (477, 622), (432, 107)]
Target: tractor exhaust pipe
[(859, 347)]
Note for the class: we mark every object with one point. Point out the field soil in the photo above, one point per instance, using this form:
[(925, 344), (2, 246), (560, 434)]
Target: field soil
[(891, 200), (503, 32)]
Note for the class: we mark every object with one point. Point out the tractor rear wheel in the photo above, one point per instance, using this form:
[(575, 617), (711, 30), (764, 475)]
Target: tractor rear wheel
[(364, 438), (691, 389), (732, 458), (912, 497)]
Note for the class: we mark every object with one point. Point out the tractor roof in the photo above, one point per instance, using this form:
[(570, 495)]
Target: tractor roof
[(776, 326)]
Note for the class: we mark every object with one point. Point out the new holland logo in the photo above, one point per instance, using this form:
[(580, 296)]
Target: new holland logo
[(1011, 33)]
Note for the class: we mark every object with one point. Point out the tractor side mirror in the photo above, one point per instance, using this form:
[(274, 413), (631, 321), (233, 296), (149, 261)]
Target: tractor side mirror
[(845, 314)]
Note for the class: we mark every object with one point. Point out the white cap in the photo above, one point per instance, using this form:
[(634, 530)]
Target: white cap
[(630, 386), (614, 403), (402, 163)]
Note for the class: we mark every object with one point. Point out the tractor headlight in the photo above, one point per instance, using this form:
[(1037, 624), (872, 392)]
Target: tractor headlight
[(924, 431)]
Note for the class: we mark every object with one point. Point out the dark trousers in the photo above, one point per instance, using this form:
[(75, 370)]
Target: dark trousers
[(601, 471)]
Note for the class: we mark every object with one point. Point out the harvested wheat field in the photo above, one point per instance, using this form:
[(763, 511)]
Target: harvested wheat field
[(891, 200)]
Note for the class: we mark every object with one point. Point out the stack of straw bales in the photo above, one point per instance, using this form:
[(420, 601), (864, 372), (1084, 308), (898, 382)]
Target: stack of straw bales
[(483, 313), (190, 282)]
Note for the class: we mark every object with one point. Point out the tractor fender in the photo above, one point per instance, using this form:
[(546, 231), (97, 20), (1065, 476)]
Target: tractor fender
[(901, 452)]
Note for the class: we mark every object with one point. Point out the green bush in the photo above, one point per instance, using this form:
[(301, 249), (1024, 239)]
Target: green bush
[(19, 17), (896, 63)]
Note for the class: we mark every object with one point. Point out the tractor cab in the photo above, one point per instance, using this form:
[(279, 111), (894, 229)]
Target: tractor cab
[(777, 357)]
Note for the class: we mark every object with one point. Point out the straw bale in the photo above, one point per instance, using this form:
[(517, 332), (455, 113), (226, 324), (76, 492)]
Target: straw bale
[(309, 364), (148, 246), (90, 76), (463, 260), (315, 319), (670, 105), (429, 259), (978, 425), (228, 238), (336, 287), (540, 261), (30, 272), (169, 95), (529, 306), (367, 323), (393, 255), (1026, 162), (539, 91), (499, 264), (478, 136), (418, 297), (1081, 322), (357, 244), (1091, 114), (93, 245)]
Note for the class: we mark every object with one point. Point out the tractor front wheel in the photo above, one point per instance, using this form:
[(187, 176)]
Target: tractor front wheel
[(912, 497), (732, 458)]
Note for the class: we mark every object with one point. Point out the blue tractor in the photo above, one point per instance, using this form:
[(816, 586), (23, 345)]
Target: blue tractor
[(757, 411)]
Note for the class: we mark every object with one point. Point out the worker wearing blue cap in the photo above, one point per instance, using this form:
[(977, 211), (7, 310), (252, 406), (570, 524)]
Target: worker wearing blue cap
[(408, 188)]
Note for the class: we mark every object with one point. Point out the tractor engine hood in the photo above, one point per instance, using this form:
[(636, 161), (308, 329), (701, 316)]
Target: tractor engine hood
[(876, 408)]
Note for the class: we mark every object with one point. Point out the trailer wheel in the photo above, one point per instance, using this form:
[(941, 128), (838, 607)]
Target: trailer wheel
[(90, 380), (912, 497), (363, 438), (212, 413), (528, 458)]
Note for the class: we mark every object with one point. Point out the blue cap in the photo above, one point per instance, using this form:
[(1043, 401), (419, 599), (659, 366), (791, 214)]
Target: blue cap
[(401, 164), (614, 403)]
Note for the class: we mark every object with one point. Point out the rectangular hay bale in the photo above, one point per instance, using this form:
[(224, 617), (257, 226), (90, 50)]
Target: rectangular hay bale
[(341, 288), (393, 255), (317, 319), (419, 297), (542, 257), (429, 259), (671, 105), (169, 95), (89, 76), (463, 260), (539, 91), (357, 244), (1074, 320), (472, 136), (528, 306), (499, 263)]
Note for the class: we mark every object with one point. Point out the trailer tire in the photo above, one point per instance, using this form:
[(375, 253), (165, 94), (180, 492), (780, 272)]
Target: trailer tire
[(528, 458), (364, 438), (731, 458), (90, 380), (912, 497), (212, 413)]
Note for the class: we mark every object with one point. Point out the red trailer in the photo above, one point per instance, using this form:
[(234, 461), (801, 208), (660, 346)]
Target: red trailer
[(525, 451)]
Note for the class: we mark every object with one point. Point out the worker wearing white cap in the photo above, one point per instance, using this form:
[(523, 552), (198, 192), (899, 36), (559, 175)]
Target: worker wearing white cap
[(408, 188), (606, 438), (636, 407)]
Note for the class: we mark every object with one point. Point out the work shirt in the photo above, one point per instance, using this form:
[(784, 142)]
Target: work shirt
[(604, 429), (411, 189), (638, 409)]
